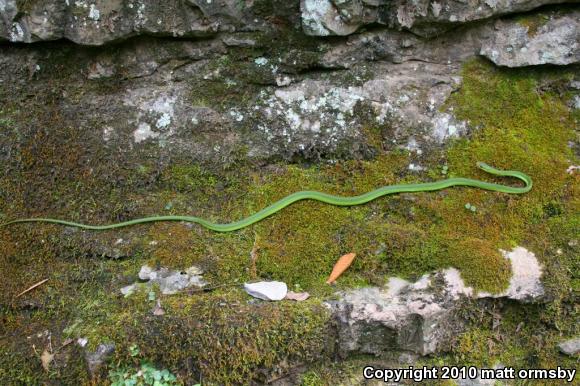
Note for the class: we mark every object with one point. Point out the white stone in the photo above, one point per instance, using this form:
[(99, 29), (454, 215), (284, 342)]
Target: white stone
[(570, 347), (267, 290)]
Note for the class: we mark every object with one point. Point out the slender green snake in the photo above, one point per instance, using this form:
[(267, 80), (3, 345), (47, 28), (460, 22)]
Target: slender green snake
[(318, 196)]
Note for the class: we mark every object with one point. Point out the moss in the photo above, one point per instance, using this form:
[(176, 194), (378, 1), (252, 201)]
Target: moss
[(229, 340), (482, 266), (189, 178), (533, 22), (475, 347), (520, 129)]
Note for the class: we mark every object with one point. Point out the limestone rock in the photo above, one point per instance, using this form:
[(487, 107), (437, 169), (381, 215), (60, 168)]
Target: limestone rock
[(100, 22), (421, 317), (556, 41), (267, 290), (169, 281), (570, 347), (314, 117), (403, 317), (424, 17), (525, 284)]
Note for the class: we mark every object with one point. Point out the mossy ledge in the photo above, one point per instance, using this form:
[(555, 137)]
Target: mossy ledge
[(515, 125)]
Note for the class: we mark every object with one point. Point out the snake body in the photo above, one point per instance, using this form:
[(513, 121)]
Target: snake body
[(317, 196)]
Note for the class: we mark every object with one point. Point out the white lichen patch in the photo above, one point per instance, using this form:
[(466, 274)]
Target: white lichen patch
[(315, 108), (415, 168), (16, 33), (236, 115), (94, 13), (261, 61), (313, 14), (154, 113), (144, 132), (445, 126), (163, 121)]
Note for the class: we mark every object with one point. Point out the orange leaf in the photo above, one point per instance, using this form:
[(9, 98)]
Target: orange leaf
[(341, 265)]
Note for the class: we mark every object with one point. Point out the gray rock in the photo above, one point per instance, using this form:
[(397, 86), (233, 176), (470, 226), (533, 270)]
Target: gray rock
[(557, 41), (129, 289), (318, 116), (570, 347), (323, 18), (423, 17), (403, 317), (95, 359), (100, 22), (267, 290), (169, 281), (420, 317), (402, 46)]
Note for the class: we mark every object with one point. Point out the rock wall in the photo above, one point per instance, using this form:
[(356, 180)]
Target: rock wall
[(213, 79), (116, 109)]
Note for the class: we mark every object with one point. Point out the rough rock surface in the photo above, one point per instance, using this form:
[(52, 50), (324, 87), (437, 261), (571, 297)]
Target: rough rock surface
[(525, 284), (556, 41), (308, 101), (98, 22), (112, 110), (570, 347), (425, 17), (169, 281), (420, 317)]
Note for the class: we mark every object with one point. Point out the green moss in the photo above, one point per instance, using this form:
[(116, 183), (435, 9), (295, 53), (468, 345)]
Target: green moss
[(229, 340), (519, 129), (189, 178), (482, 266), (533, 22), (475, 347)]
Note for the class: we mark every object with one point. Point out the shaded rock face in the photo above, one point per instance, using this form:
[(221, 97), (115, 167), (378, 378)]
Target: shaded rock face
[(422, 317), (99, 22), (246, 81)]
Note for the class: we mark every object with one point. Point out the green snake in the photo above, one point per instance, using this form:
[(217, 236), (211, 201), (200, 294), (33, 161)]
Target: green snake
[(317, 196)]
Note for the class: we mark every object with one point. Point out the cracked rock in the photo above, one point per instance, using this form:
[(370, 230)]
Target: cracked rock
[(421, 317)]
